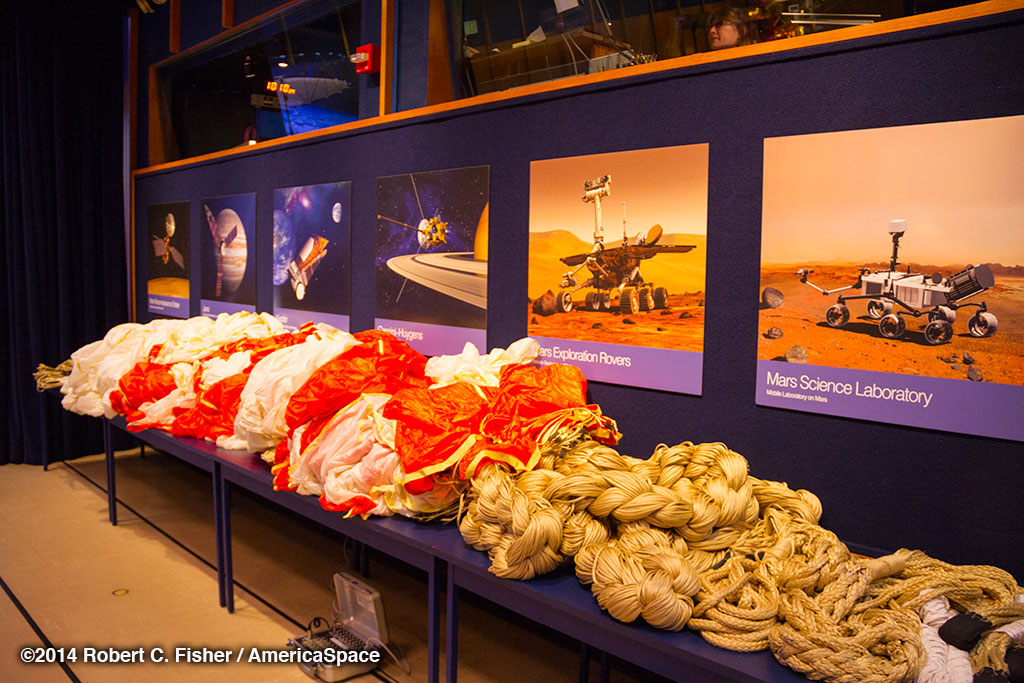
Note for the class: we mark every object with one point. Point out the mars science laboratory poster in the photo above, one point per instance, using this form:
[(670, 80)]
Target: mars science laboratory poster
[(432, 232), (617, 265), (228, 254), (892, 275)]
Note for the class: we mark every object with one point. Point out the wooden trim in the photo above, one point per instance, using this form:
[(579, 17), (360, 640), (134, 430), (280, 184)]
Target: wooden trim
[(157, 152), (981, 9), (133, 147), (387, 51), (174, 39), (227, 13), (198, 47), (133, 88), (439, 73)]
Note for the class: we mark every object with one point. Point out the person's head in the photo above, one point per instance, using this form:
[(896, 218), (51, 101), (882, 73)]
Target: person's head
[(726, 28)]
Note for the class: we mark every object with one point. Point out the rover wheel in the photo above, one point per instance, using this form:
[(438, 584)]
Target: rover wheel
[(837, 315), (629, 302), (646, 299), (983, 324), (590, 301), (892, 326), (938, 332), (564, 302), (878, 308), (942, 313), (605, 300), (660, 297)]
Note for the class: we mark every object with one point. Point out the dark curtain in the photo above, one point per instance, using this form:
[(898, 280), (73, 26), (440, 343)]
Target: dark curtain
[(63, 279)]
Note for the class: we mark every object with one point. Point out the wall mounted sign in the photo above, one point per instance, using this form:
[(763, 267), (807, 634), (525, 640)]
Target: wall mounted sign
[(312, 254), (432, 235), (228, 254), (167, 240), (892, 274), (617, 265)]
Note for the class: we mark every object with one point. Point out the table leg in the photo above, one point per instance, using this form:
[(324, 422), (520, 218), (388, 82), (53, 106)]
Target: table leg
[(584, 663), (225, 516), (218, 529), (451, 651), (108, 448), (435, 575)]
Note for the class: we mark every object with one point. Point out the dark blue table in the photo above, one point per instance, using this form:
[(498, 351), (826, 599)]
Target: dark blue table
[(557, 600)]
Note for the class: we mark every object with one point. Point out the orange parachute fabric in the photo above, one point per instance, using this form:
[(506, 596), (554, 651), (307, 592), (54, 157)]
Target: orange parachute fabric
[(381, 364), (459, 425), (216, 406), (144, 383)]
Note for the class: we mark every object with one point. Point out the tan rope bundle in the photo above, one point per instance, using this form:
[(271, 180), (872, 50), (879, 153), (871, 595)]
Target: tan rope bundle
[(47, 377), (688, 538), (641, 531)]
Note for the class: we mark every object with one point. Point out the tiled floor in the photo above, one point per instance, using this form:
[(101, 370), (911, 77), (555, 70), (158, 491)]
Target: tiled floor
[(151, 582)]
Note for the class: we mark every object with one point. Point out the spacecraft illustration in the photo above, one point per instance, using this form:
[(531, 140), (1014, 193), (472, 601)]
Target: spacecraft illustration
[(915, 294), (615, 270), (220, 244), (431, 231), (302, 267), (162, 248)]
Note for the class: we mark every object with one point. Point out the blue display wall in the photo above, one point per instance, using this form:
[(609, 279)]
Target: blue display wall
[(882, 486)]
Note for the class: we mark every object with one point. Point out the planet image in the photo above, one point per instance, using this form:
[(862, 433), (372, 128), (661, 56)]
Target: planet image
[(284, 245), (232, 256), (336, 212)]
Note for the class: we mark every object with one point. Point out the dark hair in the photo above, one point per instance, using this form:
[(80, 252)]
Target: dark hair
[(730, 14)]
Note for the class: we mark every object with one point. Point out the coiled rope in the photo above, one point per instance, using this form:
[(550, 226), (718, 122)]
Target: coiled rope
[(689, 538)]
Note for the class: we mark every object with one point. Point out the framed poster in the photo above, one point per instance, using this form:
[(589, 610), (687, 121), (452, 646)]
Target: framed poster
[(892, 274), (617, 265), (228, 254), (312, 254), (432, 234), (167, 237)]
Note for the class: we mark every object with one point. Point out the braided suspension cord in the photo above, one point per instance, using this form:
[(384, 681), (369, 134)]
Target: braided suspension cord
[(689, 538)]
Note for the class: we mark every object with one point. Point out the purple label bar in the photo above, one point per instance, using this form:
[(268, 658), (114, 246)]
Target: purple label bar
[(174, 306), (294, 319), (635, 366), (951, 405), (212, 308), (434, 340)]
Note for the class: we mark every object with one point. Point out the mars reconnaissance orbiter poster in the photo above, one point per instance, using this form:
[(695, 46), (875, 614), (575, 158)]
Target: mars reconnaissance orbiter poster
[(892, 275), (228, 254), (617, 265), (167, 289), (432, 232), (312, 254)]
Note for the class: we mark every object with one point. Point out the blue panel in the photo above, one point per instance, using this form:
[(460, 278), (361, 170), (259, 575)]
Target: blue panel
[(947, 491), (412, 19)]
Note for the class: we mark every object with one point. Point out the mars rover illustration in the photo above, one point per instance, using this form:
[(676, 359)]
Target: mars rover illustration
[(915, 294), (614, 270)]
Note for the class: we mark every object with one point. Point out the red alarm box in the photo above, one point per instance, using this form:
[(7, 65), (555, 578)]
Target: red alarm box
[(367, 59)]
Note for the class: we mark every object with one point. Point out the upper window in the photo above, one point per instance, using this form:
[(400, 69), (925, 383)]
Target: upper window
[(508, 43), (289, 74)]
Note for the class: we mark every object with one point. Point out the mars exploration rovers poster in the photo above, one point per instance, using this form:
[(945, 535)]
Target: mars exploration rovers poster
[(892, 275), (312, 254), (617, 259), (431, 261), (167, 240), (228, 254)]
